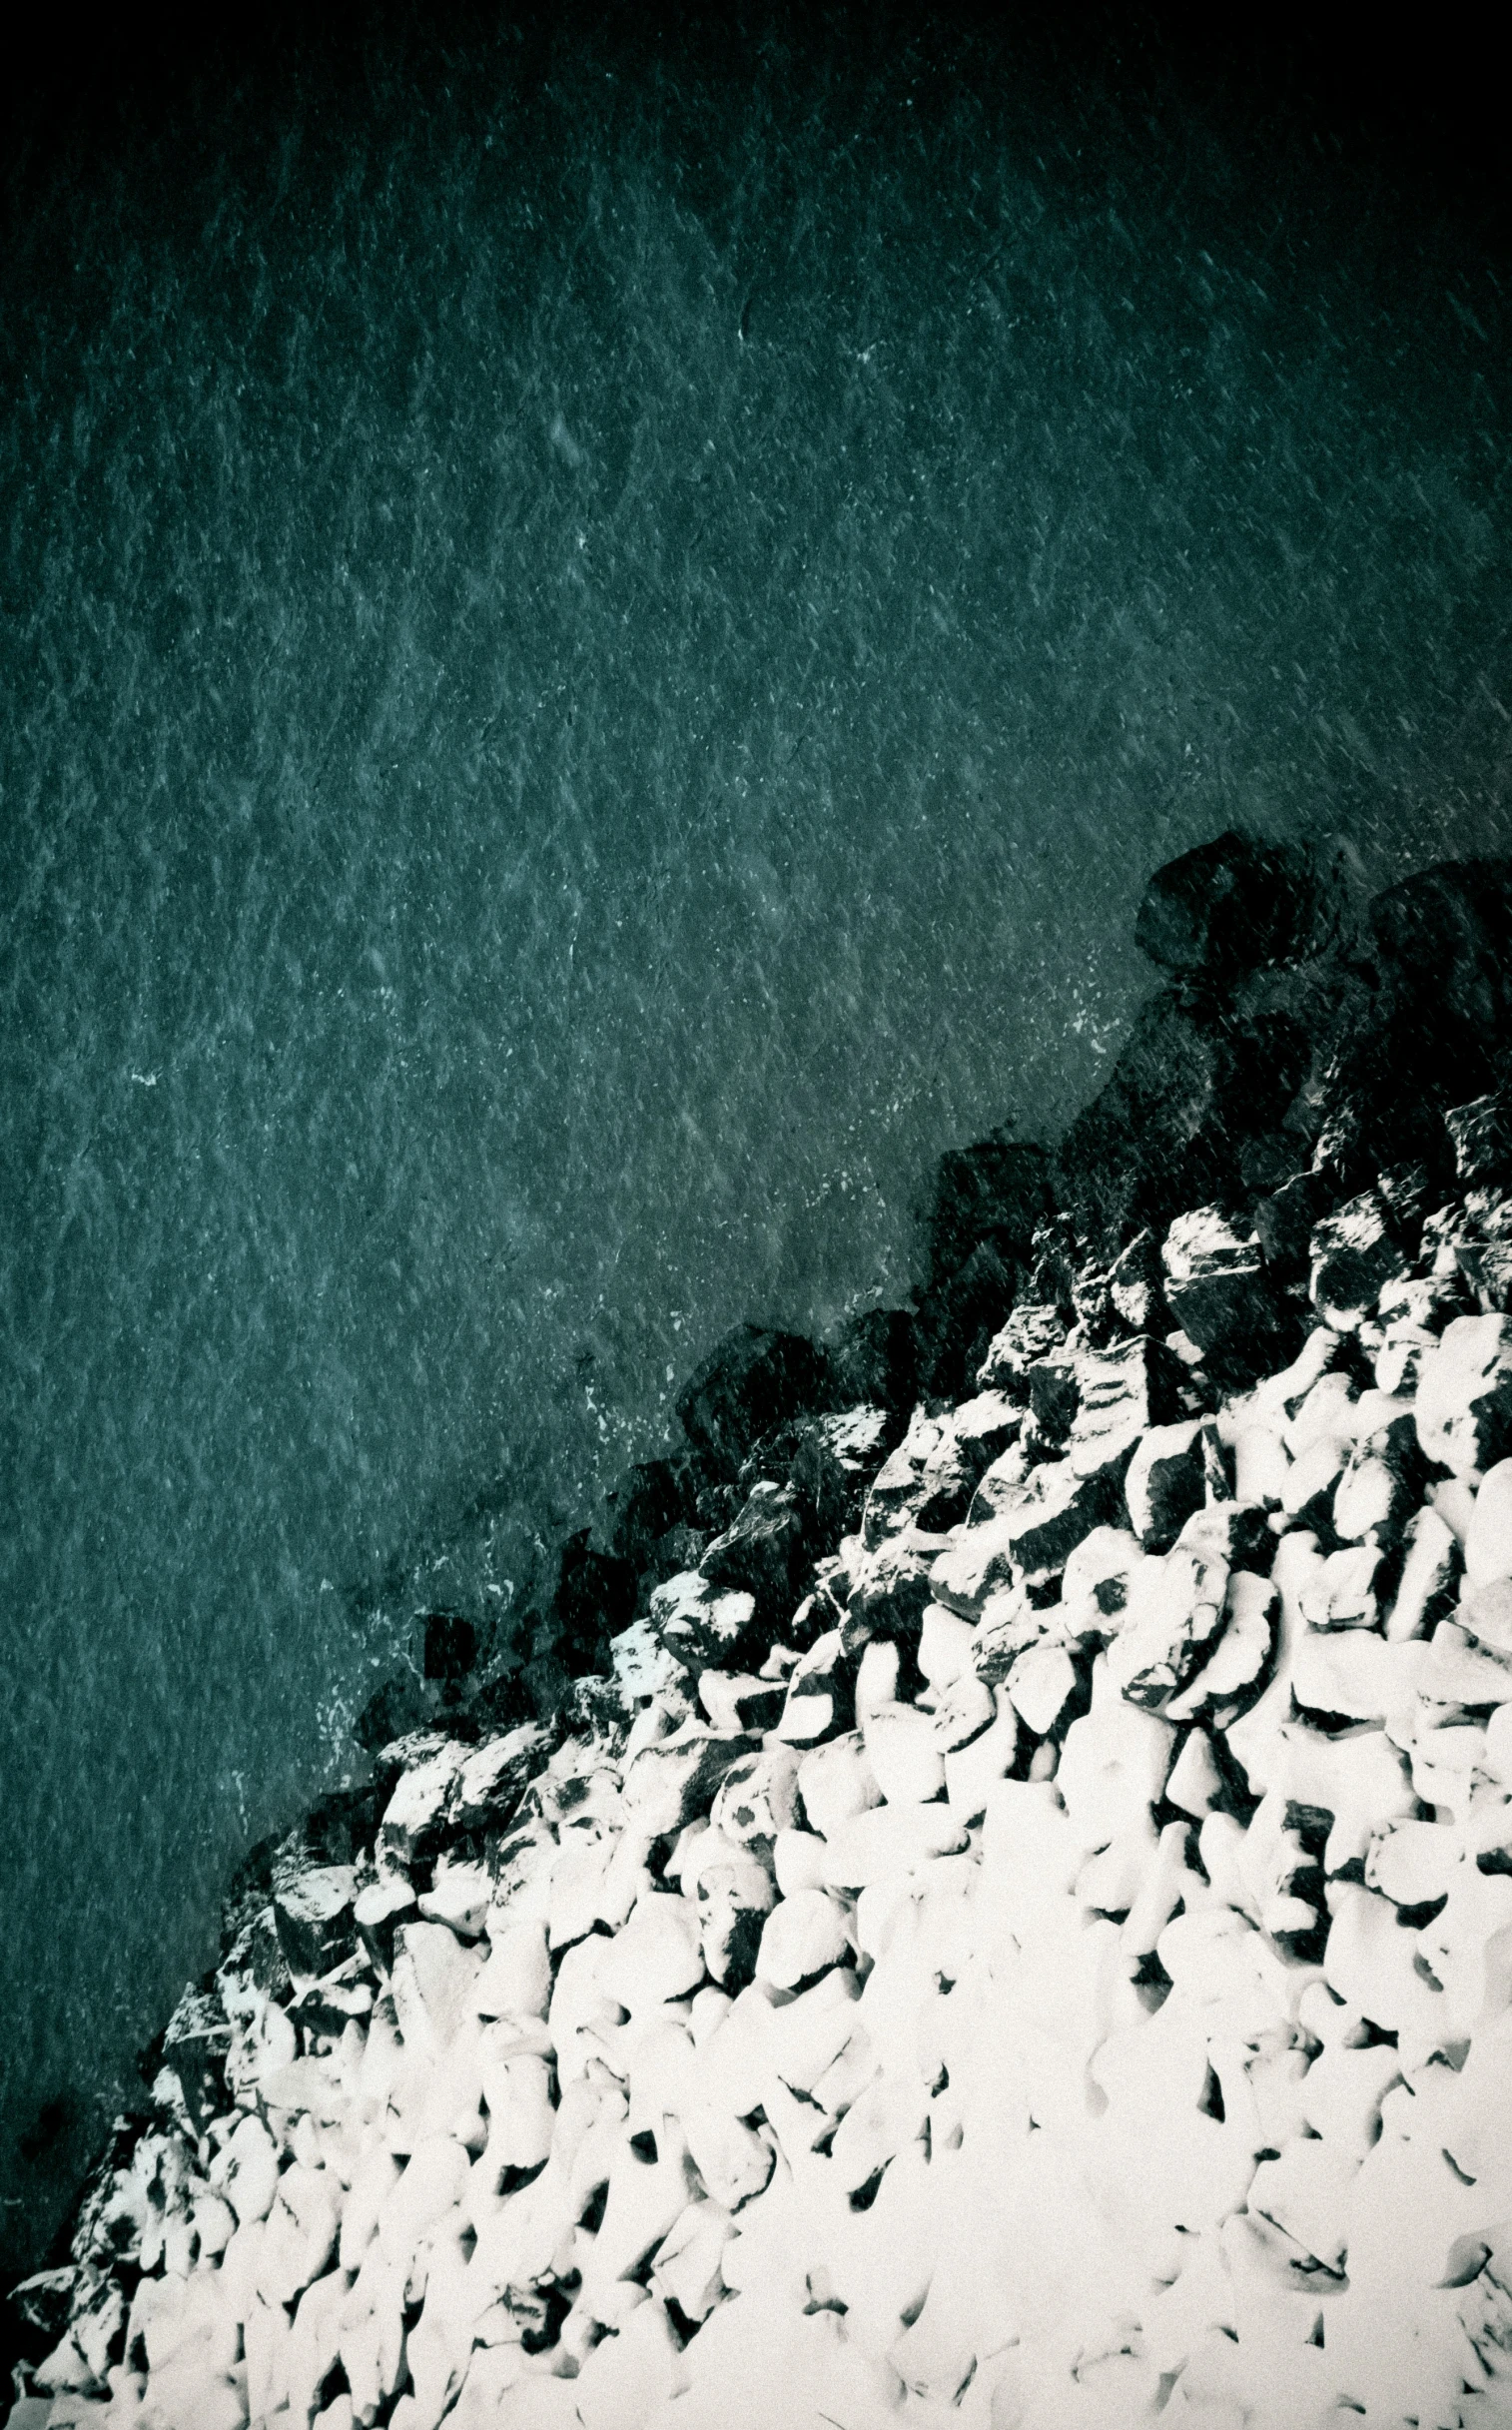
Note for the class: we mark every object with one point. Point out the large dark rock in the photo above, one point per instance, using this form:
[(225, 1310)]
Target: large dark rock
[(826, 1466), (311, 1915), (960, 1319), (1166, 1132), (764, 1554), (1443, 938), (594, 1600), (451, 1648), (1232, 906), (749, 1384), (1436, 1029), (997, 1191), (1224, 1299)]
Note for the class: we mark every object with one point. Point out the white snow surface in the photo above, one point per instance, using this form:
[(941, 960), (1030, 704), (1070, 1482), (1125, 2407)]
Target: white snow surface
[(1123, 2037)]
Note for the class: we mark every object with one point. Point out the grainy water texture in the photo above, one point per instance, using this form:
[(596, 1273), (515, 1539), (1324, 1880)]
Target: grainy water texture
[(596, 649)]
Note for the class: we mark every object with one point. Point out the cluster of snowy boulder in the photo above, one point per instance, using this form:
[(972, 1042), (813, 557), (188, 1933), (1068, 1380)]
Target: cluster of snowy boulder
[(1060, 1974), (1042, 1964)]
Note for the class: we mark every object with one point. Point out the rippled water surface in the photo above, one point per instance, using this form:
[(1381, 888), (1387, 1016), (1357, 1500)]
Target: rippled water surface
[(596, 651)]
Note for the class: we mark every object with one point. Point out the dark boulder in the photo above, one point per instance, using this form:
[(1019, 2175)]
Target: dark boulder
[(1284, 1219), (1167, 1130), (1137, 1287), (997, 1191), (1385, 1090), (247, 1891), (1232, 906), (502, 1701), (752, 1381), (1053, 1397), (1443, 939), (650, 1498), (450, 1651), (401, 1703), (594, 1600)]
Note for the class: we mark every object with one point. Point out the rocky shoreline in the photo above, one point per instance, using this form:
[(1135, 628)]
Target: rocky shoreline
[(991, 1901)]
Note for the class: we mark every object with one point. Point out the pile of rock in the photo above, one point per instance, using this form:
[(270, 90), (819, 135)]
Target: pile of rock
[(1019, 1934)]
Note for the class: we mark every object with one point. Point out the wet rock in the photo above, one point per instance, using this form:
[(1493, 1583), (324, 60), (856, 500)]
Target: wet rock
[(1482, 1250), (450, 1649), (1231, 906), (402, 1704), (1444, 937), (1053, 1397), (1435, 1027), (751, 1384), (594, 1600), (826, 1464), (1285, 1219), (1222, 1297)]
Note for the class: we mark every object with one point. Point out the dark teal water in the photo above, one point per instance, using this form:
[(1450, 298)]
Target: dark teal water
[(595, 652)]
